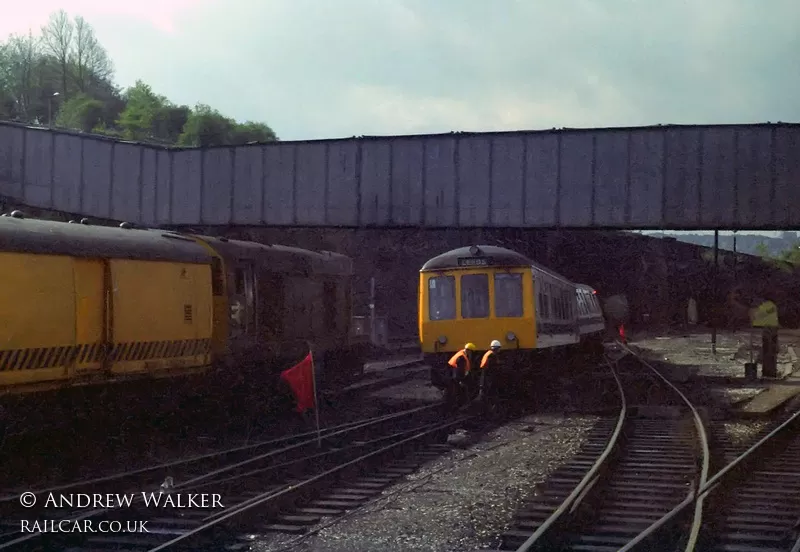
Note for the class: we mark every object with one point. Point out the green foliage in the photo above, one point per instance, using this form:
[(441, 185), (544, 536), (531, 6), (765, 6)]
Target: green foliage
[(252, 132), (141, 111), (786, 260), (80, 112), (67, 58)]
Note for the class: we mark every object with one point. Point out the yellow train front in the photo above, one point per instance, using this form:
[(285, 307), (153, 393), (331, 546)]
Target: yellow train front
[(480, 293)]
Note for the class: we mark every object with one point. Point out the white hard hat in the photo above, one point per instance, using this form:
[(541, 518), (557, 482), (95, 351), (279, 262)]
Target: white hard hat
[(495, 344)]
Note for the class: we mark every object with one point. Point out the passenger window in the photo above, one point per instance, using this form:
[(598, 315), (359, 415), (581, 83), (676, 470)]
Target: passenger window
[(544, 302), (507, 295), (442, 298), (475, 296)]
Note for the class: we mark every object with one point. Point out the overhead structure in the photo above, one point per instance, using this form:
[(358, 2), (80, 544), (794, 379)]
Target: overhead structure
[(679, 177)]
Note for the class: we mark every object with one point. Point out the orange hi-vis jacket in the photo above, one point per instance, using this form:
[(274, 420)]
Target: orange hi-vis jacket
[(454, 361), (485, 359)]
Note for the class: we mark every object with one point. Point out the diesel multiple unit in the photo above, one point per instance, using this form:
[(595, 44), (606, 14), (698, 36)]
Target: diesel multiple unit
[(480, 293)]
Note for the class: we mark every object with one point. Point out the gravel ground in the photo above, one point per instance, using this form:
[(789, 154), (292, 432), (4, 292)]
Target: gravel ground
[(461, 501), (743, 433), (733, 350), (731, 396)]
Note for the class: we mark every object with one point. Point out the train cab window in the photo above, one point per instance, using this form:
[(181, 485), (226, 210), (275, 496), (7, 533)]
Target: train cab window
[(475, 296), (442, 298), (217, 284), (271, 293), (238, 278), (507, 295), (329, 304)]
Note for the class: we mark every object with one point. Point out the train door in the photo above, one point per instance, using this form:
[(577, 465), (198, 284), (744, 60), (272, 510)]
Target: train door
[(91, 315), (271, 318), (243, 300)]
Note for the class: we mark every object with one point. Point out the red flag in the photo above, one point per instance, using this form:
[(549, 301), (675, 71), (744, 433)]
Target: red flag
[(300, 378), (622, 333)]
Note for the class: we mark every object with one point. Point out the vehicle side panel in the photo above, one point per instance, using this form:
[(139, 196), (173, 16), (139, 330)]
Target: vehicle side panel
[(162, 315)]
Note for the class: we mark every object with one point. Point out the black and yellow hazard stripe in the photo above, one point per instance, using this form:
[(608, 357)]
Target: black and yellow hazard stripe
[(50, 357)]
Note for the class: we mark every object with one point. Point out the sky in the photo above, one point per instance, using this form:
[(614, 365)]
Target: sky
[(336, 68)]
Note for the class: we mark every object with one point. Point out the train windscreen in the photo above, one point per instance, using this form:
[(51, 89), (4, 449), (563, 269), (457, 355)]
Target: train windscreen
[(475, 296), (442, 298), (507, 295)]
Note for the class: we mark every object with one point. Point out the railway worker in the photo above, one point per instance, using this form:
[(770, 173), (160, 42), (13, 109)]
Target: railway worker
[(489, 366), (765, 316), (461, 364)]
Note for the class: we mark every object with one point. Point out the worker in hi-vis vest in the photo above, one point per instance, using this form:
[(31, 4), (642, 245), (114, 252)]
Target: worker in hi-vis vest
[(765, 316), (461, 364)]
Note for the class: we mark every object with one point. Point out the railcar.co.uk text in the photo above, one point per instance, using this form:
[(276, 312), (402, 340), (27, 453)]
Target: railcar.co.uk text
[(82, 526)]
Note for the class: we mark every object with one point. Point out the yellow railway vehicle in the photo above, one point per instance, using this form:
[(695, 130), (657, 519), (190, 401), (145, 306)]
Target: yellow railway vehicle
[(481, 293), (84, 304)]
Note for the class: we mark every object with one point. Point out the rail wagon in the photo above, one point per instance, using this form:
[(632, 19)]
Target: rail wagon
[(480, 293), (83, 304)]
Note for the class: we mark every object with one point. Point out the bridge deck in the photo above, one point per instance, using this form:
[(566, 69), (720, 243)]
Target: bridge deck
[(733, 176)]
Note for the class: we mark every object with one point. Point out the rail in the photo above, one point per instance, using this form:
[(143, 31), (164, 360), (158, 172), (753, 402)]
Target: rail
[(614, 528), (694, 496), (713, 483), (575, 497), (210, 475), (261, 500)]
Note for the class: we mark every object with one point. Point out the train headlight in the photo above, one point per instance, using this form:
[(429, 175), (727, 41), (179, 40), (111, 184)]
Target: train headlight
[(511, 336), (442, 339)]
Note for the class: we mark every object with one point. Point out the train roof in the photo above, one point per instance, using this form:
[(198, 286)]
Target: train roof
[(281, 258), (26, 235), (477, 255), (486, 255)]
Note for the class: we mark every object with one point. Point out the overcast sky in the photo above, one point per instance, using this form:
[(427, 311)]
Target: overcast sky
[(332, 68)]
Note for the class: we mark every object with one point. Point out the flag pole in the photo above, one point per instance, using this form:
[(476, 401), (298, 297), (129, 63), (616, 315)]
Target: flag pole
[(316, 399)]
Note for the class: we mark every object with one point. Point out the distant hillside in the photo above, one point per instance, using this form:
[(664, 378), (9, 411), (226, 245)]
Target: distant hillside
[(745, 243)]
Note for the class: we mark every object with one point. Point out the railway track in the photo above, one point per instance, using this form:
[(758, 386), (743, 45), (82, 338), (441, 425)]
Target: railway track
[(633, 470), (640, 484), (265, 477)]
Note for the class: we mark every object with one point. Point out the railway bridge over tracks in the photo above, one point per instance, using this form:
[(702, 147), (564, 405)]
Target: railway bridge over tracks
[(681, 177)]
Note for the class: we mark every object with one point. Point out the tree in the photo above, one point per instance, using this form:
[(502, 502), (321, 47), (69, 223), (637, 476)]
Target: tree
[(80, 113), (252, 132), (20, 59), (90, 58), (67, 58), (57, 39), (206, 127), (169, 122), (141, 109)]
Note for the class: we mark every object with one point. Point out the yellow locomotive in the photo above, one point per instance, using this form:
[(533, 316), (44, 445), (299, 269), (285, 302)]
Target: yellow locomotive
[(84, 304), (481, 293)]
